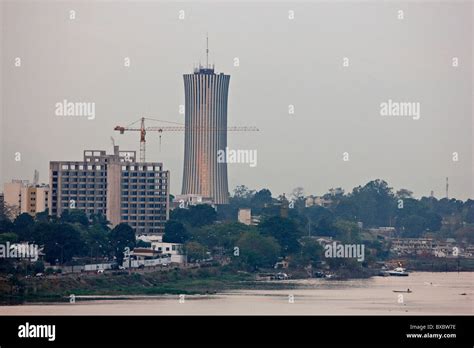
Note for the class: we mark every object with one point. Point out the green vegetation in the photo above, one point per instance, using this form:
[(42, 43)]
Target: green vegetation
[(72, 235), (285, 233), (172, 281)]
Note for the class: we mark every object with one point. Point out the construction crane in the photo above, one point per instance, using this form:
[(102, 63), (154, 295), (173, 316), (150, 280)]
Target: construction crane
[(175, 127)]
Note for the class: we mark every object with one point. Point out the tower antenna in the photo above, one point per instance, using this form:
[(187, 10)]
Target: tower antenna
[(447, 188), (207, 50)]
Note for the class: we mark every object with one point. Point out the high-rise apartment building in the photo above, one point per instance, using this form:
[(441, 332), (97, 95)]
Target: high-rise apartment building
[(23, 197), (116, 185), (205, 134)]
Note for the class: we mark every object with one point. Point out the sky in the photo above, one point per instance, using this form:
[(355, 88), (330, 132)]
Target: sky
[(283, 62)]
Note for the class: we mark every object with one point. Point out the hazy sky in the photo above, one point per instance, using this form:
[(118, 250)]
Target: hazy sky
[(282, 62)]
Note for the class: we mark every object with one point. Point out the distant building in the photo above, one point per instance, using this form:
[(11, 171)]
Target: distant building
[(184, 201), (167, 248), (428, 247), (284, 206), (23, 197), (245, 217), (407, 246), (317, 200), (157, 245), (336, 191), (385, 232), (116, 185)]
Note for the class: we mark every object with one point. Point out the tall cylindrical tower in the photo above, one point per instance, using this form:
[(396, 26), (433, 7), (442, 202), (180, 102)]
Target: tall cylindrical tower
[(205, 134)]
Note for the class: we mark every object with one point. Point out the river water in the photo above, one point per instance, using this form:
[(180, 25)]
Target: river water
[(432, 293)]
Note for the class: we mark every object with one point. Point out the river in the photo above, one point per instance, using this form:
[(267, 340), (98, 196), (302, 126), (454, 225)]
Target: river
[(432, 294)]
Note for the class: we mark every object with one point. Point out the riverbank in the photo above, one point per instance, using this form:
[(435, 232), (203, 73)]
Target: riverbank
[(196, 281), (58, 288), (173, 281), (432, 293)]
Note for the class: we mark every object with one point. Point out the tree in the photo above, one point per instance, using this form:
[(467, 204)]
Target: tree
[(243, 191), (283, 230), (62, 242), (297, 194), (175, 232), (347, 231), (261, 198), (38, 267), (40, 231), (346, 209), (42, 216), (469, 211), (195, 215), (311, 251), (23, 226), (75, 216), (121, 237), (321, 220), (8, 237), (375, 203), (220, 235), (413, 226), (6, 226), (9, 212), (404, 193), (99, 219), (97, 241), (257, 251), (195, 251)]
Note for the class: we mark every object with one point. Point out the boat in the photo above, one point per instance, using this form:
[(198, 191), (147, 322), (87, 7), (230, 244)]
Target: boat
[(398, 272), (407, 291), (281, 276)]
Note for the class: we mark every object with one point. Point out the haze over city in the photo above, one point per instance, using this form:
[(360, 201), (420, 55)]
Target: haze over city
[(282, 62)]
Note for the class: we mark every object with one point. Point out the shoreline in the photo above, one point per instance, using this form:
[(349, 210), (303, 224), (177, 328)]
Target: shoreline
[(433, 293), (200, 282)]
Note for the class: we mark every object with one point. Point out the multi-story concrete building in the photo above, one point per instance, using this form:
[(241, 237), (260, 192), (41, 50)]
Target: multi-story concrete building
[(23, 197), (205, 134), (116, 185)]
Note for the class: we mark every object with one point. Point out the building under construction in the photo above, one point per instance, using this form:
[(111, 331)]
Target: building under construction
[(114, 185)]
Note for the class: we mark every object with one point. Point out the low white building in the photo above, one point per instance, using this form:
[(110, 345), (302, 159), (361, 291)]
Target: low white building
[(167, 248)]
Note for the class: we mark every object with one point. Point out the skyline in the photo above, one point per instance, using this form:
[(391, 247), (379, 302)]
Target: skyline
[(336, 109)]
